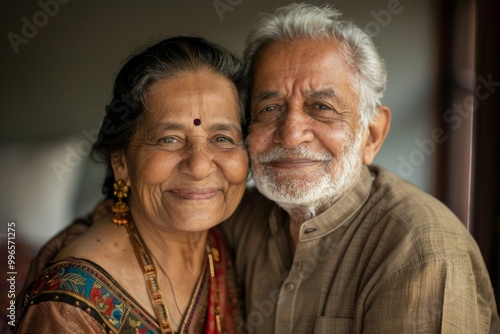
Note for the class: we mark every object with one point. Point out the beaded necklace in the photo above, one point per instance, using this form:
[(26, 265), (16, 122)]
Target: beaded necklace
[(145, 258)]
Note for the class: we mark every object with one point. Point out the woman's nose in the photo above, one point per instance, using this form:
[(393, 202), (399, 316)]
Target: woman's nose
[(198, 161)]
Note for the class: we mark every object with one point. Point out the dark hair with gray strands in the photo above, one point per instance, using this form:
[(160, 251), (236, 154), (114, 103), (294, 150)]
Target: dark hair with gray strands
[(306, 20), (171, 56)]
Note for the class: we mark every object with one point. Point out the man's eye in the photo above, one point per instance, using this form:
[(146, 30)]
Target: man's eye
[(267, 113), (270, 108), (322, 107)]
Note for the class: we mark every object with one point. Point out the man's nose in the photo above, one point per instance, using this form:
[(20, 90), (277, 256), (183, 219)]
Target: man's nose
[(294, 129)]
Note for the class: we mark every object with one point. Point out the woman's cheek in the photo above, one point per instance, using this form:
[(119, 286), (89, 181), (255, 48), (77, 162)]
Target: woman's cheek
[(236, 166), (153, 166)]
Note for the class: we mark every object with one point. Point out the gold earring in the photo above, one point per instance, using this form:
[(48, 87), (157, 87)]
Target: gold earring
[(120, 209)]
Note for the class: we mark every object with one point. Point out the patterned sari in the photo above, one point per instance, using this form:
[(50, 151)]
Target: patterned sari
[(78, 296)]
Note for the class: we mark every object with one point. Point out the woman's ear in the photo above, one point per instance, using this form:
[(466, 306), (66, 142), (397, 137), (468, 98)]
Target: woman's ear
[(119, 165), (375, 134)]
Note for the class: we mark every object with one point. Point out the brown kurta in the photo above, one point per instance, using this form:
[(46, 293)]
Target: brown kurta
[(387, 258)]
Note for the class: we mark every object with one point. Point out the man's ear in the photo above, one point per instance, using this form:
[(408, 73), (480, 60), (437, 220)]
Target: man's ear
[(375, 134), (119, 165)]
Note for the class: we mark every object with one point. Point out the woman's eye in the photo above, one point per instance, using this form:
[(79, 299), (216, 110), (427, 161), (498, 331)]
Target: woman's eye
[(167, 140), (223, 139)]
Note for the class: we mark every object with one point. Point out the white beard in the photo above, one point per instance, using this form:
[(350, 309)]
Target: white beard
[(308, 191)]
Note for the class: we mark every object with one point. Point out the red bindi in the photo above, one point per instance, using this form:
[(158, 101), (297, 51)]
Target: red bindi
[(197, 121)]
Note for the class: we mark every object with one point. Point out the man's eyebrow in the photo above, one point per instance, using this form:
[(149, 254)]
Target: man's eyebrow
[(266, 95), (330, 93)]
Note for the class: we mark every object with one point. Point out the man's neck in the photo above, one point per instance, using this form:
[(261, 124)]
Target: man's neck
[(300, 214), (297, 216)]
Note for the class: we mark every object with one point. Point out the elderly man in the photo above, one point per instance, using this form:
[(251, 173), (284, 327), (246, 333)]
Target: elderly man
[(345, 247), (337, 245)]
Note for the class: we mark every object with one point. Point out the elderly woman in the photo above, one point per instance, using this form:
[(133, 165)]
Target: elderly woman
[(173, 140)]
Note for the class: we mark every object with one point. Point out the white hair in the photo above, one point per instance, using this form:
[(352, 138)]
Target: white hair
[(324, 187), (307, 20)]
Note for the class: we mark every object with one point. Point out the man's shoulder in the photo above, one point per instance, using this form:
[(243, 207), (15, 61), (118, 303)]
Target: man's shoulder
[(406, 200), (417, 219)]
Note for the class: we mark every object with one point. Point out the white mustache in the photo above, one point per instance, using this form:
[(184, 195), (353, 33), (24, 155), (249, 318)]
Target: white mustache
[(277, 153)]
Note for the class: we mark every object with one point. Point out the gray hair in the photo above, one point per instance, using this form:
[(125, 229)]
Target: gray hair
[(306, 20)]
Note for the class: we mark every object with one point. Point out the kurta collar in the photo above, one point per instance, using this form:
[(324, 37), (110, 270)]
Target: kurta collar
[(336, 216)]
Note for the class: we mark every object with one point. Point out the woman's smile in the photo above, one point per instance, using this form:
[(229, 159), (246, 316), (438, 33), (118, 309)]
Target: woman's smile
[(195, 193)]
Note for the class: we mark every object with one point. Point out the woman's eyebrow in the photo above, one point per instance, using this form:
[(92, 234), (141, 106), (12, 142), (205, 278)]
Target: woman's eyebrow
[(163, 126), (225, 127)]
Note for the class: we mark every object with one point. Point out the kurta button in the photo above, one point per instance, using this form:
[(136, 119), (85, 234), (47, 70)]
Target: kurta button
[(310, 230), (289, 287)]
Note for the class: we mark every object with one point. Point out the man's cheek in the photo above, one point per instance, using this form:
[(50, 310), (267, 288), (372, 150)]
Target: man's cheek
[(260, 138)]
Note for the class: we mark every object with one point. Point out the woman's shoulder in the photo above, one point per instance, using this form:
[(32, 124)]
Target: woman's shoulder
[(85, 285), (70, 281), (103, 237), (70, 275), (73, 276)]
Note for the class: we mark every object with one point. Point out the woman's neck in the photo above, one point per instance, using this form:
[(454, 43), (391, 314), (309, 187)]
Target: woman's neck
[(179, 259), (183, 252)]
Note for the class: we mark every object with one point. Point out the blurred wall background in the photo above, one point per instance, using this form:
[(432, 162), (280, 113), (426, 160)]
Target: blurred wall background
[(59, 59)]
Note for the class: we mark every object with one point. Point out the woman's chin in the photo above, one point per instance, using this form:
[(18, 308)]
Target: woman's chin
[(194, 225)]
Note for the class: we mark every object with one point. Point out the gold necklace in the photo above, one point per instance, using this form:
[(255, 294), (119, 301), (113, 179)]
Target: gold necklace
[(145, 258), (169, 283), (214, 253)]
